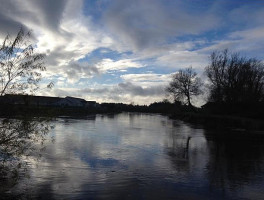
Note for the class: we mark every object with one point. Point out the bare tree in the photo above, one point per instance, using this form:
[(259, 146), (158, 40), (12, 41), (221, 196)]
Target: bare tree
[(184, 85), (20, 65), (235, 79)]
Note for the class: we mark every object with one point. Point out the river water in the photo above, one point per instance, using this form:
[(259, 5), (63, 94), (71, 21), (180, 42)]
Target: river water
[(141, 156)]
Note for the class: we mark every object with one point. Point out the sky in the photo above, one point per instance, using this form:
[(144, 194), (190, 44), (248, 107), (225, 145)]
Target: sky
[(127, 50)]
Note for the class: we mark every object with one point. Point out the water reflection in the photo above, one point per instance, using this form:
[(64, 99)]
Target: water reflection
[(18, 140), (140, 156), (235, 163)]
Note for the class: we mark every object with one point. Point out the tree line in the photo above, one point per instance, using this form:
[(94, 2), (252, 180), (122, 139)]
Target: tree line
[(232, 80)]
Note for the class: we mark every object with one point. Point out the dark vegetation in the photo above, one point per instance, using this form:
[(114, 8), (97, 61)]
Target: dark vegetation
[(236, 93), (184, 85), (235, 79), (236, 85)]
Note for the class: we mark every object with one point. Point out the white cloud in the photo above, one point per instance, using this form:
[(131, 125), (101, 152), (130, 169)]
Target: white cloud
[(60, 29), (249, 42), (147, 80), (183, 59), (108, 64)]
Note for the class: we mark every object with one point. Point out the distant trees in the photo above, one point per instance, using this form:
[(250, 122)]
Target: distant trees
[(235, 79), (184, 85), (20, 65)]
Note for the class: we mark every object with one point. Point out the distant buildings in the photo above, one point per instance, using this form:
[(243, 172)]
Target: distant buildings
[(28, 100)]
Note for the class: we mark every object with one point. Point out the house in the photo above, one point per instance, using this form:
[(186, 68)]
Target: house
[(17, 99), (71, 102), (91, 104), (13, 99)]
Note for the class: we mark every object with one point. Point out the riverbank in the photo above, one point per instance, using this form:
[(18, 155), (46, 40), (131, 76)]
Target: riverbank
[(222, 122), (194, 116)]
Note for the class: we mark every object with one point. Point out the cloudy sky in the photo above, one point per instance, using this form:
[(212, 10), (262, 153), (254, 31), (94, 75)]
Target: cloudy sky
[(126, 50)]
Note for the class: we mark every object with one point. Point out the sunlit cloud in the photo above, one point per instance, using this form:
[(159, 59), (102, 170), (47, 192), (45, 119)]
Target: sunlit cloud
[(107, 64)]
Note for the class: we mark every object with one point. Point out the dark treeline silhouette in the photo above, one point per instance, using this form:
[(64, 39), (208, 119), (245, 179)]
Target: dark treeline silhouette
[(236, 85), (235, 79), (164, 107)]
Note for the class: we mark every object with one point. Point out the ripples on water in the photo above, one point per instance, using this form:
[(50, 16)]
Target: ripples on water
[(141, 156)]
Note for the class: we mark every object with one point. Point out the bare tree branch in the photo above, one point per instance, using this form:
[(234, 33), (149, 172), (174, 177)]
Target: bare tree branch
[(184, 85), (20, 64)]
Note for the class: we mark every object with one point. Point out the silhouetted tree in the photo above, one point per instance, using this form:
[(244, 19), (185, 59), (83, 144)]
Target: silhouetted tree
[(184, 85), (20, 65), (235, 79)]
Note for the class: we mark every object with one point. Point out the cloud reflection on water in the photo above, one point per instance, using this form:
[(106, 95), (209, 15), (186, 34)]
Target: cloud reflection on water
[(140, 156)]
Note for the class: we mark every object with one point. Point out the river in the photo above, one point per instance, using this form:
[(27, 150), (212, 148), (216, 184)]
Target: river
[(140, 156)]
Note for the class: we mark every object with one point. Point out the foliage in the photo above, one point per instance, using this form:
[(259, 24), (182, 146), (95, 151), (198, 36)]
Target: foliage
[(20, 65), (235, 79), (184, 85)]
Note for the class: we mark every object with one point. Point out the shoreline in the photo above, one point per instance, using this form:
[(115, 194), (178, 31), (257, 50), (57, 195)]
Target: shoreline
[(241, 125), (208, 121)]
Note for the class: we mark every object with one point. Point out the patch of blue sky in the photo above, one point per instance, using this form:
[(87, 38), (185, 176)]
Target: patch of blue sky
[(190, 5), (155, 69), (93, 8), (148, 69), (150, 66), (200, 40), (101, 53), (238, 3)]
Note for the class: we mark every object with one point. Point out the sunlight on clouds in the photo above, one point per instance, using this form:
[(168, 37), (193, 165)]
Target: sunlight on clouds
[(147, 80), (145, 77), (109, 65), (183, 59)]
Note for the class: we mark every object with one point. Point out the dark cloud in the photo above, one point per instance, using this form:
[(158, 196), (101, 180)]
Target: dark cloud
[(76, 70), (122, 89), (123, 92), (15, 13), (8, 26), (50, 11), (150, 22), (137, 90), (57, 54)]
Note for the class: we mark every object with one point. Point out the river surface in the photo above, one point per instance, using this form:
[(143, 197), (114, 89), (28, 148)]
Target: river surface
[(141, 156)]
